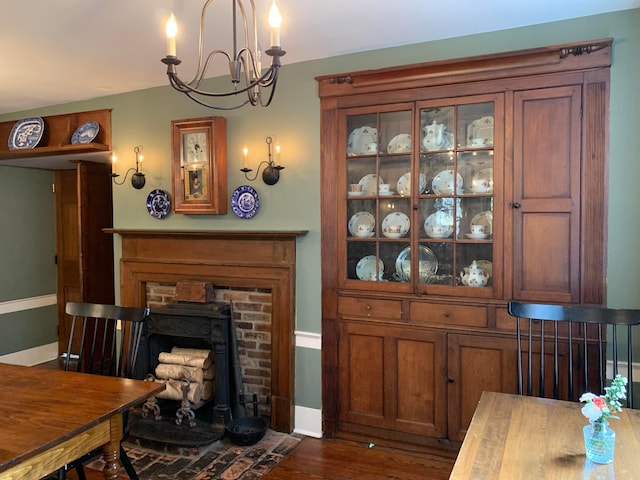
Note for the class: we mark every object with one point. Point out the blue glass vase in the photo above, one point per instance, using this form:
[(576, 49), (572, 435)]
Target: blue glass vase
[(599, 442)]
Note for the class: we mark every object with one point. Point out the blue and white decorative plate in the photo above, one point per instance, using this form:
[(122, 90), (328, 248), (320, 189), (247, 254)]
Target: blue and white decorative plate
[(245, 202), (158, 204), (85, 133), (26, 133)]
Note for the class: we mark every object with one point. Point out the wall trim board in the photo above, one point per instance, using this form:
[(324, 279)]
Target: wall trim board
[(27, 303), (308, 340)]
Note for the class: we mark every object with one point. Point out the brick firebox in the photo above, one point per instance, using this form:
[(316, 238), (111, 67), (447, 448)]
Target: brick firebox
[(261, 261), (252, 318)]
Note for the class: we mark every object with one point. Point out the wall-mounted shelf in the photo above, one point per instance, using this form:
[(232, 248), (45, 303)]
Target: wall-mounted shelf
[(55, 151)]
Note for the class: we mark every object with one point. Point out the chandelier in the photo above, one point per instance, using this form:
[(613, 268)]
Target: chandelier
[(245, 66)]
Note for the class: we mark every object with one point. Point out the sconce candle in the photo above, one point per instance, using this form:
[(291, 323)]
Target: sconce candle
[(245, 152)]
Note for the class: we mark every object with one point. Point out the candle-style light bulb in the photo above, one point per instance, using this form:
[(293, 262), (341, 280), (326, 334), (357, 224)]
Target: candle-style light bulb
[(245, 152), (172, 31), (275, 19), (277, 154), (114, 159)]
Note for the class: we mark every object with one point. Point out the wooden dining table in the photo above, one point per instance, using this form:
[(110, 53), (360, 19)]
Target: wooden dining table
[(518, 437), (51, 417)]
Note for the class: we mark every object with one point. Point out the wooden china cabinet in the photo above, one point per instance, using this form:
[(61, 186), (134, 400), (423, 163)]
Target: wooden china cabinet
[(450, 188)]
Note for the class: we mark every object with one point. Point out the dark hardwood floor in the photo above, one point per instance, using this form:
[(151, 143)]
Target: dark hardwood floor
[(316, 459)]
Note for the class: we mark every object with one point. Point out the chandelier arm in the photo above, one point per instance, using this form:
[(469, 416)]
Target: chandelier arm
[(184, 87), (215, 107), (200, 75), (272, 91), (199, 72)]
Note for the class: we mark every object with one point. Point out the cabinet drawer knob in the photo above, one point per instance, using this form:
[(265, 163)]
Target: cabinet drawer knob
[(368, 307), (450, 379), (447, 314), (516, 205)]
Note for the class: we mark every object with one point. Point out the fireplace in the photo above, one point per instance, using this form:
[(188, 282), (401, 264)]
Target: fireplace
[(239, 260)]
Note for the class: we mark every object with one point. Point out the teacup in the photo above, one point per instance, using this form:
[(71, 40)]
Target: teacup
[(477, 229), (384, 188), (393, 229), (372, 148), (363, 230), (438, 231), (478, 142), (355, 187)]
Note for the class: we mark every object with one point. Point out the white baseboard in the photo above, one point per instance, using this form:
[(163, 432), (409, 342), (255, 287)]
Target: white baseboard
[(623, 369), (32, 356), (308, 421)]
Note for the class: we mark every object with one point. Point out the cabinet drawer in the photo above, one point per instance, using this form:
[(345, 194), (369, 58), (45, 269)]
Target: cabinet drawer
[(368, 307), (421, 312)]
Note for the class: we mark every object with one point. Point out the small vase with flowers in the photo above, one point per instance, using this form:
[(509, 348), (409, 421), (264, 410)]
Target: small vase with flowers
[(599, 439)]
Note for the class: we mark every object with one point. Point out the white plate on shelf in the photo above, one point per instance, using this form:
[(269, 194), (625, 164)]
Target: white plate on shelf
[(366, 268), (480, 132), (482, 182), (370, 184), (404, 184), (400, 144), (486, 220), (361, 140), (439, 224), (362, 224), (427, 263), (442, 183), (395, 220)]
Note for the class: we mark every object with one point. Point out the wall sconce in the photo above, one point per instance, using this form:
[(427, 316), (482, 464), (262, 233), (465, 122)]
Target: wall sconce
[(271, 173), (137, 179)]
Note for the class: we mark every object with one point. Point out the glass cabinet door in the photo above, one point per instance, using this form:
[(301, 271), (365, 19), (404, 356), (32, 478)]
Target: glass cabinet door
[(379, 161), (456, 207), (420, 180)]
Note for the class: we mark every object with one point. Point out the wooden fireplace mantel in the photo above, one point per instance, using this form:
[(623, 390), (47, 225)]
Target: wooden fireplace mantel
[(235, 259)]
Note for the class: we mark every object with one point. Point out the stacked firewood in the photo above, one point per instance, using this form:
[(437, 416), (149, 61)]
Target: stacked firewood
[(193, 365)]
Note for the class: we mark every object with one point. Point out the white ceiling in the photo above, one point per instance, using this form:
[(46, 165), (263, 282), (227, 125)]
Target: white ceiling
[(56, 51)]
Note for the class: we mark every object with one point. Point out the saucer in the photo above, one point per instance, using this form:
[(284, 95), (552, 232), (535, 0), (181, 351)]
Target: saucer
[(355, 194), (393, 234), (477, 236), (386, 194), (363, 234)]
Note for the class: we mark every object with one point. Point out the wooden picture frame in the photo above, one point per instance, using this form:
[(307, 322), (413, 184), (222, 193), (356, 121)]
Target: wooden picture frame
[(199, 147)]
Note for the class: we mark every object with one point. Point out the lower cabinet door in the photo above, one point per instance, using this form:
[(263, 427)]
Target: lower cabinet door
[(393, 378), (477, 363)]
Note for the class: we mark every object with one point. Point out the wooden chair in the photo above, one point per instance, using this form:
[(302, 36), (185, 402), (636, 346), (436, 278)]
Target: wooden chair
[(572, 339), (104, 340)]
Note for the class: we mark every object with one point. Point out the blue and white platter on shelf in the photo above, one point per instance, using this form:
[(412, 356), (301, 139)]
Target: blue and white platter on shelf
[(85, 133), (26, 133), (245, 202), (158, 204)]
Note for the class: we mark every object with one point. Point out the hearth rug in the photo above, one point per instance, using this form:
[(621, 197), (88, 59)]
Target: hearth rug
[(220, 460)]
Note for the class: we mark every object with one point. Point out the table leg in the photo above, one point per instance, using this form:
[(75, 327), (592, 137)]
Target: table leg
[(111, 451)]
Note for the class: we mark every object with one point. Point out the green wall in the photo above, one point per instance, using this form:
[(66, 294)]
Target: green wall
[(27, 256), (143, 117)]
